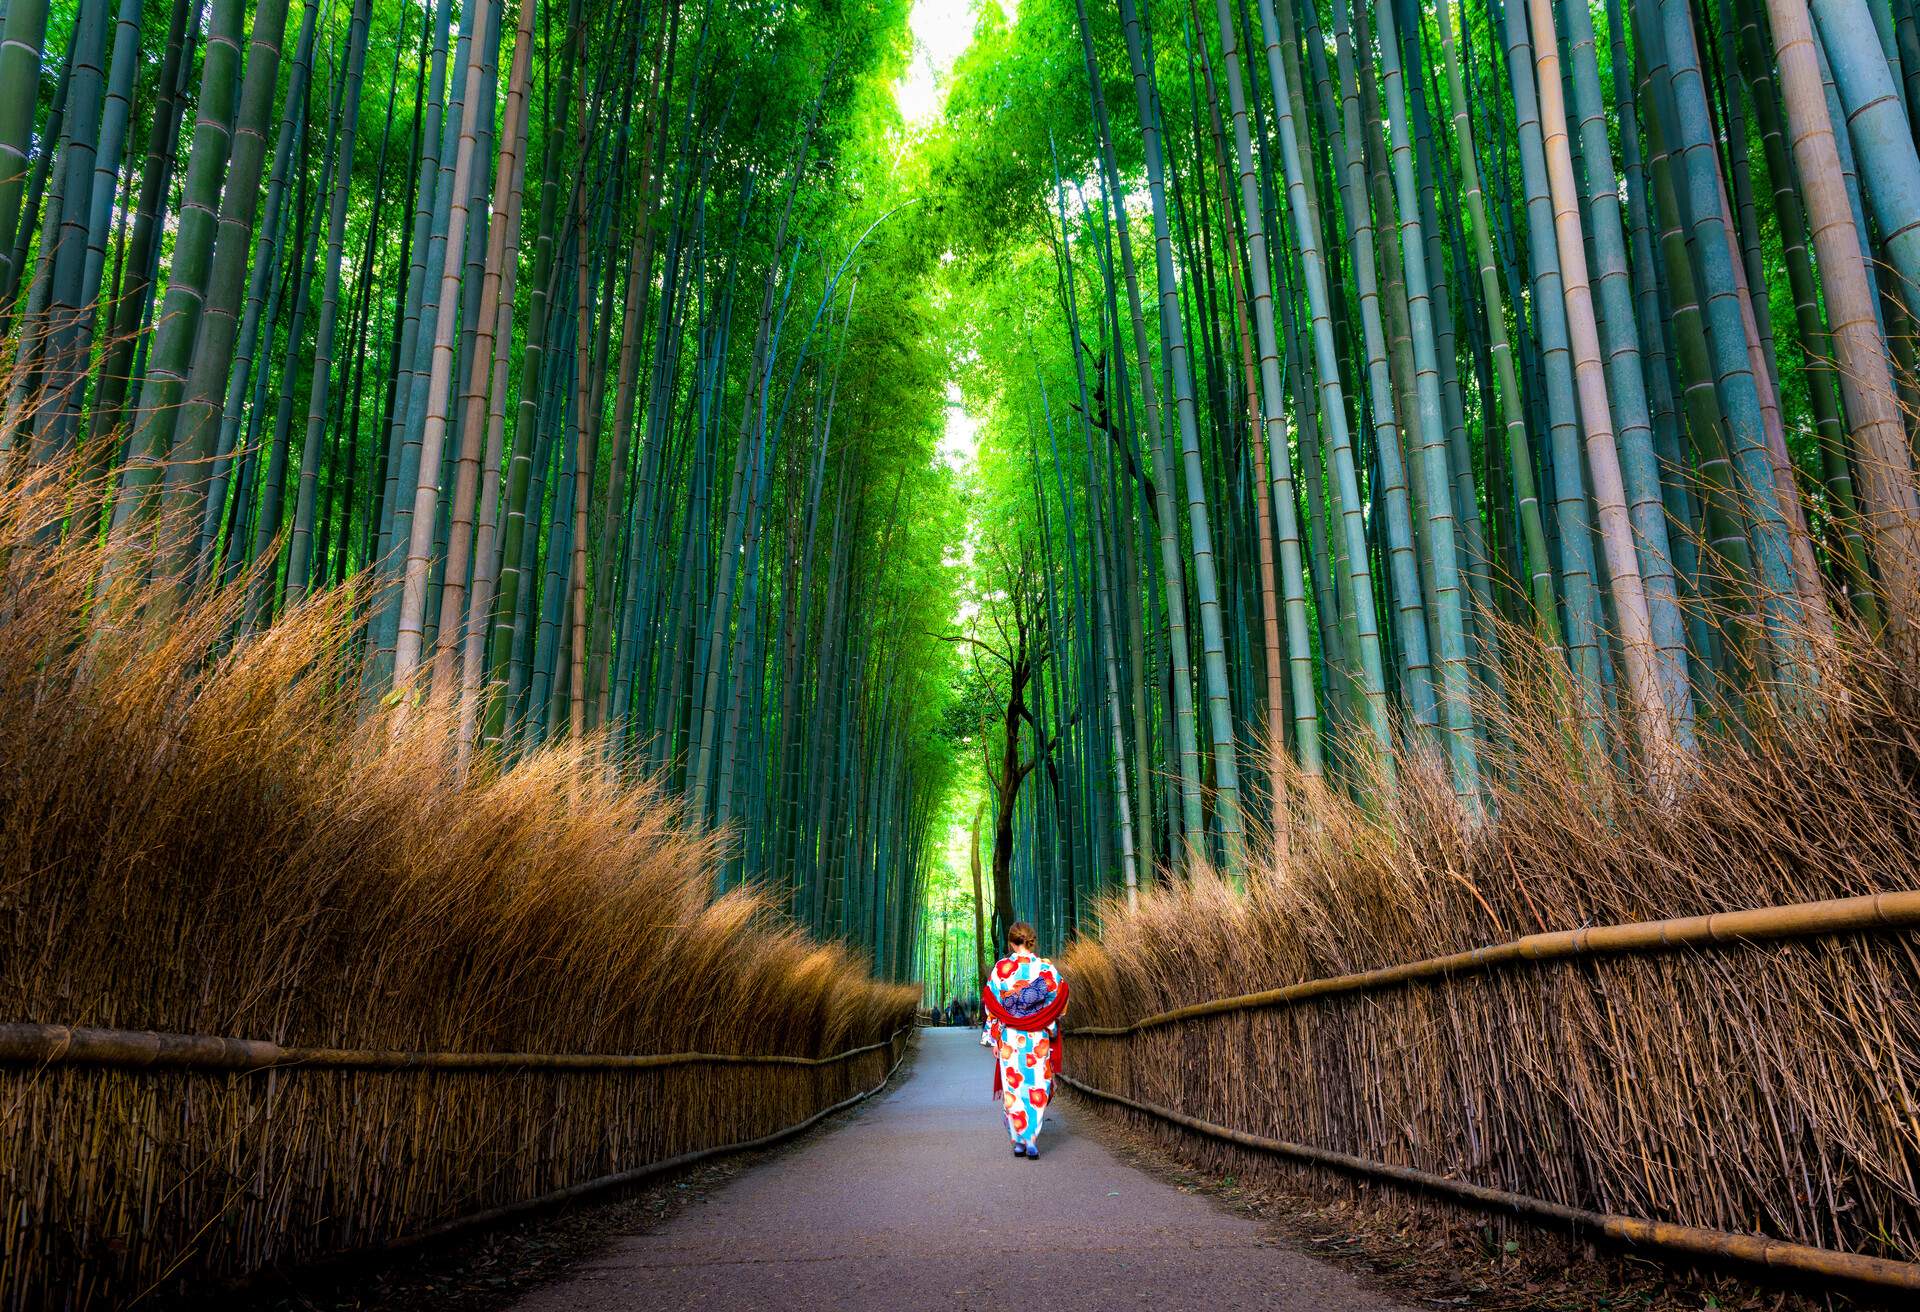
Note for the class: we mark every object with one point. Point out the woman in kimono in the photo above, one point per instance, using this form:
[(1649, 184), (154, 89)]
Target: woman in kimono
[(1024, 998)]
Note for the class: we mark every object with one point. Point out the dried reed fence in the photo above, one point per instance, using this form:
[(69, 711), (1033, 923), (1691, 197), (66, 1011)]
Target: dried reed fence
[(205, 836), (1546, 1014), (130, 1179)]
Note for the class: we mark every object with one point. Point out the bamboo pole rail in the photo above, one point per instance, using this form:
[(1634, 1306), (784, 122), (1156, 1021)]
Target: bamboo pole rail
[(494, 1215), (1873, 911), (61, 1045), (1693, 1241), (652, 1168)]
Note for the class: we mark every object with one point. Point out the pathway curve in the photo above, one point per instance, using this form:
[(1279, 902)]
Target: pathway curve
[(915, 1201)]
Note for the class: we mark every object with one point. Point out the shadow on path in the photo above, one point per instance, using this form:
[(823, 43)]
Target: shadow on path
[(916, 1201)]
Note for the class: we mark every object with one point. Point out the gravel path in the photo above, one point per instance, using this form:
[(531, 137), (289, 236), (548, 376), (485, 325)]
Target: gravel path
[(915, 1201)]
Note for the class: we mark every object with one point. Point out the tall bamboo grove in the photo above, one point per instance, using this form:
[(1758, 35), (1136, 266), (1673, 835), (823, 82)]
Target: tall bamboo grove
[(597, 375), (1345, 364), (1340, 365)]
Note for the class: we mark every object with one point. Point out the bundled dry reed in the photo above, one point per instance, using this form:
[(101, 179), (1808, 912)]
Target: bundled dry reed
[(208, 836), (1767, 1088)]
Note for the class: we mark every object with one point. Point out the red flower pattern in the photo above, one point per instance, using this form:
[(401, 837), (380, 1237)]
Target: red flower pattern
[(1026, 1078)]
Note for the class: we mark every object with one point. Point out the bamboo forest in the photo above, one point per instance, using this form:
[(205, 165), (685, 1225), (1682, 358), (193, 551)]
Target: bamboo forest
[(589, 586)]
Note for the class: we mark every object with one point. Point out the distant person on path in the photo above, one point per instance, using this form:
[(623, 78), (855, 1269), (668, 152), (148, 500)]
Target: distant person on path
[(1024, 998)]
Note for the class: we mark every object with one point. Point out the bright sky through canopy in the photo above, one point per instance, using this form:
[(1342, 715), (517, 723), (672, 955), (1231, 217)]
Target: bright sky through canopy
[(941, 30), (962, 437)]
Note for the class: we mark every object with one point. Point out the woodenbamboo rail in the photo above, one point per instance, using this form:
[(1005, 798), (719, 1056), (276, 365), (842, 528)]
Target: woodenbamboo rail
[(652, 1168), (1693, 1241), (494, 1215), (29, 1051), (1798, 920), (61, 1045)]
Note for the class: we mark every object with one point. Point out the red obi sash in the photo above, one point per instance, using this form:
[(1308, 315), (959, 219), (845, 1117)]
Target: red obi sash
[(1035, 1022)]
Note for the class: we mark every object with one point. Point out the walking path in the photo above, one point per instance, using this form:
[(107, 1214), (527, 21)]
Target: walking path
[(915, 1201)]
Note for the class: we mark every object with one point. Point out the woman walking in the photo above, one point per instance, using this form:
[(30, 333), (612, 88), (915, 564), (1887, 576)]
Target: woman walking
[(1024, 998)]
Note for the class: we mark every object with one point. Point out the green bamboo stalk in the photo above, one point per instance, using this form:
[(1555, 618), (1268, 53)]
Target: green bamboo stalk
[(477, 427), (1829, 424), (1539, 567), (1173, 338), (1172, 571), (1865, 377), (1619, 340), (408, 654), (69, 314), (1390, 485), (1653, 712), (184, 485), (1332, 398), (21, 42), (300, 543), (177, 327), (1727, 336), (1572, 529), (1306, 722), (1455, 676)]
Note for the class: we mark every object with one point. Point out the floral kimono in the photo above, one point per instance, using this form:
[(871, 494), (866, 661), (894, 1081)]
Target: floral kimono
[(1024, 997)]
